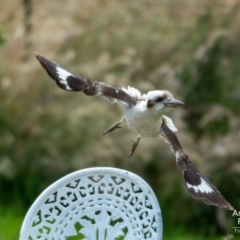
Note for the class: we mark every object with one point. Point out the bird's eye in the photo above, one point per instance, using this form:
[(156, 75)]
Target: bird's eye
[(159, 99)]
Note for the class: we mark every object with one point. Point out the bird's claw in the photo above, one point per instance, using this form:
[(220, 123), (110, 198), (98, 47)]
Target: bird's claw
[(134, 146), (111, 129)]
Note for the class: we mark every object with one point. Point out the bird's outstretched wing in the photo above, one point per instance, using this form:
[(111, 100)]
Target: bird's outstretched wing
[(197, 184), (71, 82)]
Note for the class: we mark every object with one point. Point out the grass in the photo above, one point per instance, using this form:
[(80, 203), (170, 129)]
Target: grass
[(181, 234), (10, 222), (11, 219)]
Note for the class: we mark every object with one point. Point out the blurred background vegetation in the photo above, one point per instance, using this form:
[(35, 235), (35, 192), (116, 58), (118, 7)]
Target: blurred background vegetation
[(190, 48)]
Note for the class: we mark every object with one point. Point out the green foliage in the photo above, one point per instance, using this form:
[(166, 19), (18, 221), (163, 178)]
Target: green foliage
[(208, 85), (2, 39)]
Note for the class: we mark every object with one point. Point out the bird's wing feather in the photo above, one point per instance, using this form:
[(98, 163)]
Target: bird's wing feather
[(197, 184), (71, 82), (170, 124)]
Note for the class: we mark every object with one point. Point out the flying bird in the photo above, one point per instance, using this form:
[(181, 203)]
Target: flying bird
[(142, 112), (197, 185)]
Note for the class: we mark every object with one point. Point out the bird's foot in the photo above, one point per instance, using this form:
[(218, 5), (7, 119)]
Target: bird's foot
[(134, 146), (112, 128)]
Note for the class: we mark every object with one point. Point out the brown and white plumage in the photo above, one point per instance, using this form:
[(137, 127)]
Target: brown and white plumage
[(197, 184), (142, 112)]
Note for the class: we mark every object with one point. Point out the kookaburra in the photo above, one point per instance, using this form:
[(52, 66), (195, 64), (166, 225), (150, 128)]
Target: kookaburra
[(144, 114)]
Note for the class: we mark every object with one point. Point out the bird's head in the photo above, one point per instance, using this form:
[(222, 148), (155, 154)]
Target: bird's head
[(162, 100)]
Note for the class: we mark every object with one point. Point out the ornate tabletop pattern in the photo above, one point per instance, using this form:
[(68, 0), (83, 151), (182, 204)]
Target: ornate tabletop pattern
[(95, 204)]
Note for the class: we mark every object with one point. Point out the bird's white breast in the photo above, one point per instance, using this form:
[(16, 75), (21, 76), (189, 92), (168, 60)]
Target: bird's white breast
[(142, 120)]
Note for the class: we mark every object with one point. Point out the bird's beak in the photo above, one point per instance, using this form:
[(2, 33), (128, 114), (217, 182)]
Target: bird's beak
[(173, 103)]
